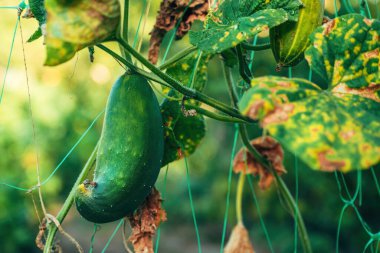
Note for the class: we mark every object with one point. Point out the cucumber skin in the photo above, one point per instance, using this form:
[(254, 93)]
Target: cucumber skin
[(290, 39), (129, 155)]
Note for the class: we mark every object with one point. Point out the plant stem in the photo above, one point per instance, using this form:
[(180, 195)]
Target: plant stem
[(178, 86), (216, 116), (149, 76), (255, 47), (177, 57), (239, 198), (131, 66), (124, 30), (52, 229), (243, 68), (284, 191)]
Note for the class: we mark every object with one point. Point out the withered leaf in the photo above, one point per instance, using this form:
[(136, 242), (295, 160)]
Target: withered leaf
[(239, 241), (172, 11), (145, 222), (269, 148)]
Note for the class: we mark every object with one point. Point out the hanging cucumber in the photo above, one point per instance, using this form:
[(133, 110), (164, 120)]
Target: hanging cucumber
[(290, 39), (129, 155)]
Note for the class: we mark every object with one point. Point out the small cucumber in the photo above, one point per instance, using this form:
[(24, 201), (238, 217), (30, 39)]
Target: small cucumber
[(290, 39), (129, 154)]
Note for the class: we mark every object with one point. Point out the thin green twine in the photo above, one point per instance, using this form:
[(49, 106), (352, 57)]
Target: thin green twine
[(93, 237), (230, 170), (347, 5), (62, 161), (364, 9), (163, 197), (296, 209), (290, 75), (192, 206), (191, 81), (139, 24), (350, 202), (258, 209), (375, 180), (175, 31), (9, 7), (253, 53), (262, 223), (113, 235), (9, 60), (290, 72)]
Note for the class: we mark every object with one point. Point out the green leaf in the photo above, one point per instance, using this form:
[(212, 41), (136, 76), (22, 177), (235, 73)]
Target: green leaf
[(346, 51), (268, 92), (219, 37), (327, 130), (72, 26), (235, 21), (230, 10), (37, 7), (35, 36), (183, 134), (192, 65)]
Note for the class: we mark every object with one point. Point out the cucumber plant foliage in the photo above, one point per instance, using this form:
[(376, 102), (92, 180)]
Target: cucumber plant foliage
[(74, 25), (236, 21), (38, 11), (333, 129), (183, 133)]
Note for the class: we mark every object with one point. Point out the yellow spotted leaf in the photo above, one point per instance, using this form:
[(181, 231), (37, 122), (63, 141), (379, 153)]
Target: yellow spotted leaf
[(74, 25), (182, 132), (328, 131), (346, 53)]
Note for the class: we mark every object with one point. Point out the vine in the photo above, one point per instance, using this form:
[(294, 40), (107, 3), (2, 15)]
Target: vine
[(342, 119)]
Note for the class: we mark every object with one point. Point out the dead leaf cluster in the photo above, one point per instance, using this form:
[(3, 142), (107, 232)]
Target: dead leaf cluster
[(244, 161)]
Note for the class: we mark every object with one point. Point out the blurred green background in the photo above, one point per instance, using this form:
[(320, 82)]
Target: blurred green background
[(64, 102)]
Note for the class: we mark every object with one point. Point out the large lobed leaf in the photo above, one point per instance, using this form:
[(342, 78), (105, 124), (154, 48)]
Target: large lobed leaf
[(336, 129), (74, 25), (328, 131), (346, 51), (235, 21), (183, 134)]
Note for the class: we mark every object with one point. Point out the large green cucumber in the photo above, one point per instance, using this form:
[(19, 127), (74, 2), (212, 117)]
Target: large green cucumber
[(290, 39), (129, 154)]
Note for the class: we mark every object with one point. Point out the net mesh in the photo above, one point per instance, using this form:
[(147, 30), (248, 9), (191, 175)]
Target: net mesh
[(349, 200)]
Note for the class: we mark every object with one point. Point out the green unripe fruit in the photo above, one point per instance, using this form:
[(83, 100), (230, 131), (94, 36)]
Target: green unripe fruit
[(129, 155), (290, 39)]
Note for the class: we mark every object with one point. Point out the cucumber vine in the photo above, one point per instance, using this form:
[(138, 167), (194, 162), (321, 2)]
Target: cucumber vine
[(292, 110)]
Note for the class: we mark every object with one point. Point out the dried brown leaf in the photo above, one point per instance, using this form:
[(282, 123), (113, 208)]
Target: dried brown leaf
[(271, 150), (171, 11), (239, 241), (145, 222)]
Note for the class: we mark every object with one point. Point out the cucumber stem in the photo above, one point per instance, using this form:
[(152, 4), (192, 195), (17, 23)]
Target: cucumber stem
[(178, 86), (52, 228), (244, 71), (216, 116), (131, 66), (239, 198), (283, 189), (179, 56), (256, 47), (124, 30)]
